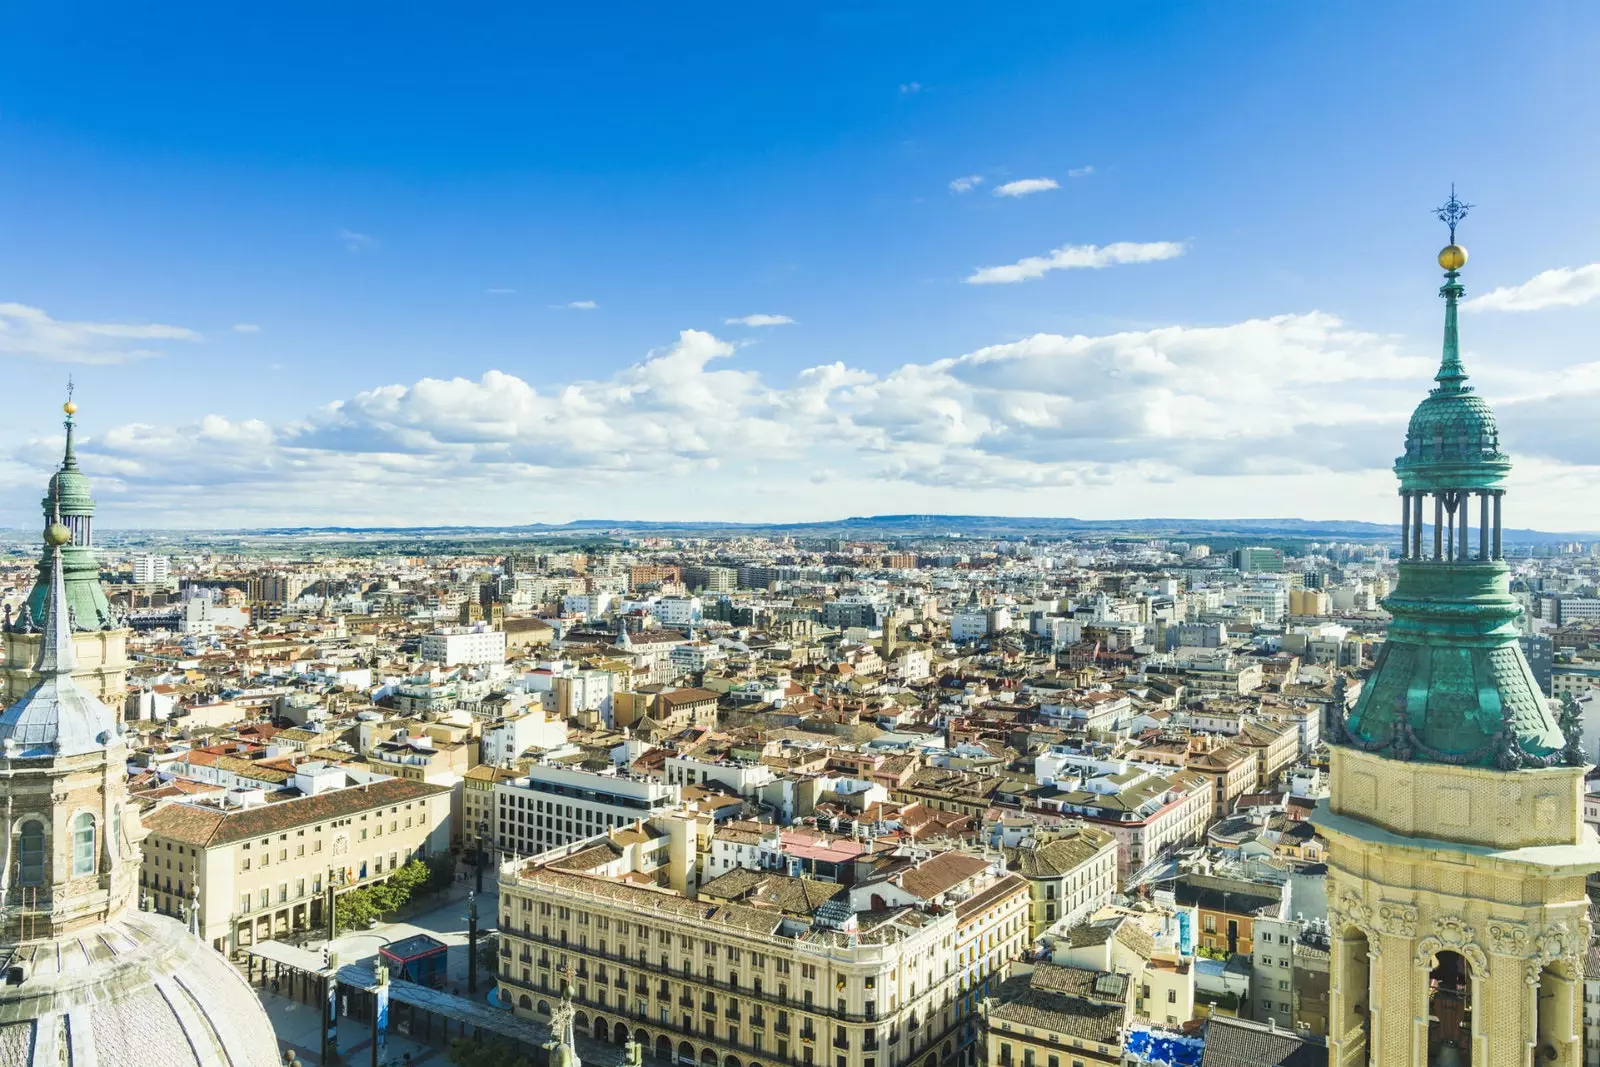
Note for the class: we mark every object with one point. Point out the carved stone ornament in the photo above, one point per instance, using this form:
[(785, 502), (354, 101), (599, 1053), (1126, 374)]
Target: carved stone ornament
[(1398, 920), (1453, 931), (1508, 938), (1350, 911), (1555, 941)]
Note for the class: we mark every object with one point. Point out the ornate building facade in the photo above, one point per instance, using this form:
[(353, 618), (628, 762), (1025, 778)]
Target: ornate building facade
[(1458, 852), (99, 640)]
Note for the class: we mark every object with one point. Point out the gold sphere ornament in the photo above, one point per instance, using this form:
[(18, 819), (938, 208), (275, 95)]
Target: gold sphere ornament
[(70, 408), (1452, 257), (56, 535)]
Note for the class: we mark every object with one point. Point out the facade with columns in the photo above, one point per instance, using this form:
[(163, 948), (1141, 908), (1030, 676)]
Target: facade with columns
[(1457, 848)]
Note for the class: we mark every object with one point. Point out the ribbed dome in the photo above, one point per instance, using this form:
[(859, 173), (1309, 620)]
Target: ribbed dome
[(137, 991), (1451, 427), (71, 489)]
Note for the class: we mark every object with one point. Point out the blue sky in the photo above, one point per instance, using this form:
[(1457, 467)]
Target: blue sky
[(338, 266)]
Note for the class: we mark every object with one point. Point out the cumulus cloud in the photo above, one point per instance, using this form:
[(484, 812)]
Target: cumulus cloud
[(1026, 187), (31, 332), (1561, 287), (760, 320), (246, 327), (1076, 257), (357, 242), (686, 423), (966, 184)]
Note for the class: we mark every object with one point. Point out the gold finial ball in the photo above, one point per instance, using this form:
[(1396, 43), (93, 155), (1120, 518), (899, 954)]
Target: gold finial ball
[(1452, 257), (56, 535), (70, 408)]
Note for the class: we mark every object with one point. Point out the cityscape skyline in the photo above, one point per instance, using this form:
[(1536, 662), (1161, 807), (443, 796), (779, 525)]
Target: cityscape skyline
[(970, 276)]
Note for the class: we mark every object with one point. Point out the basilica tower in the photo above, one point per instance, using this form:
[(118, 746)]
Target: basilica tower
[(100, 642), (1457, 848)]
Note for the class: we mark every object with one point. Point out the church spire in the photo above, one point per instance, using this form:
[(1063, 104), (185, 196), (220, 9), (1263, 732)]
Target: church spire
[(56, 655), (1452, 258)]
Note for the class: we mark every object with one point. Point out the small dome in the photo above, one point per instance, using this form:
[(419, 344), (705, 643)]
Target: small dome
[(1452, 428), (1452, 257), (70, 489)]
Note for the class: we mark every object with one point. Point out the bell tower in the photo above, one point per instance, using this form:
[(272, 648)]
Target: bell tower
[(1457, 848), (99, 638)]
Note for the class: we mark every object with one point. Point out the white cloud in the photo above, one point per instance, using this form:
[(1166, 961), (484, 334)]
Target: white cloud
[(966, 184), (31, 332), (1080, 172), (577, 305), (1561, 287), (246, 327), (760, 320), (908, 88), (684, 429), (1076, 257), (1026, 187), (500, 292), (357, 242)]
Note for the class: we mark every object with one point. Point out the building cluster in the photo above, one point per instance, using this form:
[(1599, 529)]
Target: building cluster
[(753, 801)]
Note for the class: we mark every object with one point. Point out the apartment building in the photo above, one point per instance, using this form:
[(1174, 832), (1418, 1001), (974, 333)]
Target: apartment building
[(1057, 1016), (1070, 873), (1146, 811), (554, 804), (260, 871), (452, 646), (792, 973)]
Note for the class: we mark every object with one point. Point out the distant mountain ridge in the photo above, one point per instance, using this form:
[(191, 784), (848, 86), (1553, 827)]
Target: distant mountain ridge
[(932, 525)]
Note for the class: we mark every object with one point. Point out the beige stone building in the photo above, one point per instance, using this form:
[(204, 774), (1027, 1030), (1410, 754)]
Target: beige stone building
[(263, 871), (1070, 873), (774, 977)]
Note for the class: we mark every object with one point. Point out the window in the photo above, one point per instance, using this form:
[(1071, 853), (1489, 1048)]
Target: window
[(1172, 996), (83, 844), (30, 853)]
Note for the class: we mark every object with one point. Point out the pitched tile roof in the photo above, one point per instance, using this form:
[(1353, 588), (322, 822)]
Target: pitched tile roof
[(207, 827)]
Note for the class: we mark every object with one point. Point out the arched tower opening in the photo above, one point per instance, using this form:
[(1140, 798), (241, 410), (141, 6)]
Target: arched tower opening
[(1450, 1011)]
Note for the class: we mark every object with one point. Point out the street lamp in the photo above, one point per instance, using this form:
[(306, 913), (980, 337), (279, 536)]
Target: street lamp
[(472, 942), (483, 828)]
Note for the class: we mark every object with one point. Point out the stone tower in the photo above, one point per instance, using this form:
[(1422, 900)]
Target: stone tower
[(91, 980), (100, 642), (1457, 848)]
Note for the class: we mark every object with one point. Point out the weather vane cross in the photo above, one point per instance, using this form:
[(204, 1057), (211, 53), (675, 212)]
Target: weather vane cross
[(1452, 212)]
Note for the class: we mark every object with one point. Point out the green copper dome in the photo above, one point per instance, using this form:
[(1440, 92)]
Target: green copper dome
[(1451, 684), (68, 502)]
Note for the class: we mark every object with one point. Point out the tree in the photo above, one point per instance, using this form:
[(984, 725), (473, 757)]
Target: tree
[(441, 872), (465, 1053), (353, 908)]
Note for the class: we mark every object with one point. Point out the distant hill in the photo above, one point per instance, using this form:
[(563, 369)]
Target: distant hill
[(879, 527)]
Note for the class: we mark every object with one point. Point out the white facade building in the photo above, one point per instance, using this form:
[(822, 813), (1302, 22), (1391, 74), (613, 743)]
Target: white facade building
[(150, 569), (555, 805), (455, 645)]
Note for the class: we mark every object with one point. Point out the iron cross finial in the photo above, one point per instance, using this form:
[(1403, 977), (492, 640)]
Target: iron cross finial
[(1453, 212)]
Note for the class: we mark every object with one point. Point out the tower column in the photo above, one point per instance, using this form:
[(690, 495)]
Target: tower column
[(1461, 550), (1483, 525), (1416, 526), (1405, 524), (1438, 527), (1500, 495)]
